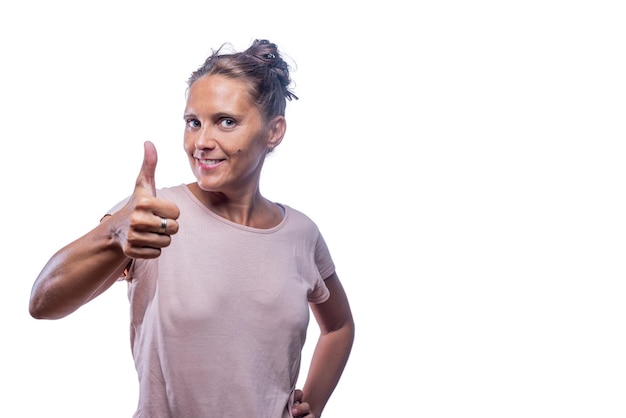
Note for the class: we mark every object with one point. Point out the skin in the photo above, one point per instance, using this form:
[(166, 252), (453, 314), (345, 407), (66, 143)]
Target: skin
[(226, 140)]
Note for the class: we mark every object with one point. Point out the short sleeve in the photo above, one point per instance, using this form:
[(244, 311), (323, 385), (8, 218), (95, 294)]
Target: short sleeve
[(325, 267)]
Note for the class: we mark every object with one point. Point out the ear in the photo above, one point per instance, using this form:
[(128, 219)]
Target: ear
[(276, 131)]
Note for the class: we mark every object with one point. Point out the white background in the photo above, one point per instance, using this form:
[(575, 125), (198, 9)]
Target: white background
[(464, 160)]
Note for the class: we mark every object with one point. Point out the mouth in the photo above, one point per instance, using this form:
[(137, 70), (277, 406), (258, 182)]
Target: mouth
[(208, 162)]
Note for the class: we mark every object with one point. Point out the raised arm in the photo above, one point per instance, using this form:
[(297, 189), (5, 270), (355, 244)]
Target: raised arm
[(333, 347), (91, 264)]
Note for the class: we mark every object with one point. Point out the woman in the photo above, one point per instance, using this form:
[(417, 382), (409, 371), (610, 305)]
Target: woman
[(220, 278)]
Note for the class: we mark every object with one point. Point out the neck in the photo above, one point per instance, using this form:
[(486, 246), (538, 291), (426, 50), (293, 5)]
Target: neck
[(250, 210)]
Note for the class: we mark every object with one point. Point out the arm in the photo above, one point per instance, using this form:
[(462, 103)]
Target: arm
[(77, 273), (88, 266), (333, 346)]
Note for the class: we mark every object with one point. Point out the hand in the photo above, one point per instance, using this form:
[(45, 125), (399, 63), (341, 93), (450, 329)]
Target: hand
[(300, 409), (139, 223)]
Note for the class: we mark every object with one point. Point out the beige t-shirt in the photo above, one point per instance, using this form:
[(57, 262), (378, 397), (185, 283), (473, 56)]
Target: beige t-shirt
[(219, 320)]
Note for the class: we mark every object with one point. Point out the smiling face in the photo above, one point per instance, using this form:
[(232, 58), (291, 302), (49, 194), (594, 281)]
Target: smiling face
[(226, 138)]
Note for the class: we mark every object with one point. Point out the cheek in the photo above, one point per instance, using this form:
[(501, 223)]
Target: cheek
[(188, 144)]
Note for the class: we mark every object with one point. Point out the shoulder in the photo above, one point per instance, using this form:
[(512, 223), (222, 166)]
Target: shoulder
[(301, 222), (295, 215)]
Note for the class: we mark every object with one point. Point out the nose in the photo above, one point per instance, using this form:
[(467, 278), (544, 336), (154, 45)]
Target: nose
[(205, 139)]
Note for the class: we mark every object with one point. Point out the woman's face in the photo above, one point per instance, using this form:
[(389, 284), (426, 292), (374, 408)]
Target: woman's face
[(226, 138)]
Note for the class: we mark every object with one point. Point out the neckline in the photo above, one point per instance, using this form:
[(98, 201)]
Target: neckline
[(283, 209)]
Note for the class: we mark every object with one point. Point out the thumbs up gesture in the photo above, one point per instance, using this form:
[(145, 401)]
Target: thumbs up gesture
[(146, 222)]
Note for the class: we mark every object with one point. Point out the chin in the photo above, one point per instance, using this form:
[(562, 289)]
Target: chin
[(207, 186)]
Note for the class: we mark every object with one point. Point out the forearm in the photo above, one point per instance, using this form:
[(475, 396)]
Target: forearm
[(76, 273), (328, 362)]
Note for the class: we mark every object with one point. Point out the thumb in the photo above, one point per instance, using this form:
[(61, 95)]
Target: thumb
[(145, 179)]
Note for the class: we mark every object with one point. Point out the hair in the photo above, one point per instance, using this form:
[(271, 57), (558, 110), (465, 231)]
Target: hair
[(261, 67)]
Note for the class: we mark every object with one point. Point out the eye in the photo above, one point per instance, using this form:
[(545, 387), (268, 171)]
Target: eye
[(192, 123), (227, 123)]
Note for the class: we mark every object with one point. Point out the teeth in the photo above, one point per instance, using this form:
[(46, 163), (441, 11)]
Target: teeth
[(209, 162)]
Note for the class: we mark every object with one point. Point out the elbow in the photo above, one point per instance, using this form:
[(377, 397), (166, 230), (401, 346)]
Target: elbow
[(36, 311), (348, 328), (42, 313), (44, 302), (37, 314), (37, 305), (40, 308), (350, 332), (344, 335)]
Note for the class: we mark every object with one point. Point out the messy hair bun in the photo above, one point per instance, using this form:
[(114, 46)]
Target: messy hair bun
[(261, 67)]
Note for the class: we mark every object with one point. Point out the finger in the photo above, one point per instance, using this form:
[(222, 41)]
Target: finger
[(146, 244), (302, 410), (298, 395), (162, 226), (145, 180), (166, 226)]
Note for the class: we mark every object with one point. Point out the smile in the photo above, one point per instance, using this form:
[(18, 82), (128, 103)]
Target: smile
[(209, 162)]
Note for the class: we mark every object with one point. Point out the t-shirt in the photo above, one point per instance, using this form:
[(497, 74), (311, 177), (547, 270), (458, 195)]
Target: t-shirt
[(218, 321)]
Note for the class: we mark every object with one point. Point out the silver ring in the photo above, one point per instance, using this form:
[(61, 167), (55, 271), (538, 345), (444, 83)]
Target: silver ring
[(163, 226)]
